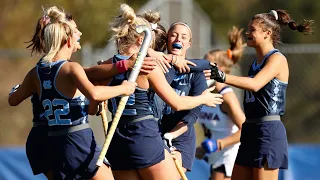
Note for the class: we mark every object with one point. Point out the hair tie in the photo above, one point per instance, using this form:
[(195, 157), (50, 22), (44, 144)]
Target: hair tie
[(45, 20), (153, 26), (274, 13), (229, 53)]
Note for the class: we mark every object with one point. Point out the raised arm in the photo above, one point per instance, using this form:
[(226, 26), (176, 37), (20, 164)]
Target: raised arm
[(97, 93), (273, 68), (108, 69)]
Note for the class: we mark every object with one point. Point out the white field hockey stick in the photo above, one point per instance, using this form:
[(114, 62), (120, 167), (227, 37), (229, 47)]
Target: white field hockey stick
[(132, 78)]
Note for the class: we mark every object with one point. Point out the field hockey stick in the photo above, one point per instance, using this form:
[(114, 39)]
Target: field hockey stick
[(132, 78), (180, 170), (177, 163), (104, 118)]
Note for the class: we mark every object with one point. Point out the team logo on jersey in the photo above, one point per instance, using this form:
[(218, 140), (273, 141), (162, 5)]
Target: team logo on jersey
[(47, 84)]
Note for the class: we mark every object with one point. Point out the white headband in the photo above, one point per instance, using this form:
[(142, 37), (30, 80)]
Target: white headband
[(153, 26), (274, 13)]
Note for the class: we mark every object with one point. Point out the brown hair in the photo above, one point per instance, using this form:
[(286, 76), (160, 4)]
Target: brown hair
[(37, 41), (221, 57), (269, 21), (160, 34)]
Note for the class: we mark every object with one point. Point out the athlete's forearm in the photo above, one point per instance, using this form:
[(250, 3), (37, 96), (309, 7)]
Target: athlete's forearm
[(231, 140), (179, 129), (246, 83), (101, 72)]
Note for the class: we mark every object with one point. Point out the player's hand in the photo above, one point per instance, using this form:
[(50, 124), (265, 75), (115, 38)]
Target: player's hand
[(217, 74), (148, 65), (161, 59), (128, 87), (14, 89), (207, 73), (211, 99), (181, 64), (210, 145), (200, 153)]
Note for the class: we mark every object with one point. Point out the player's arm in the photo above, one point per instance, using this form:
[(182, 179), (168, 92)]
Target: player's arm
[(25, 90), (232, 107), (164, 90), (271, 70), (97, 93), (198, 86), (107, 69)]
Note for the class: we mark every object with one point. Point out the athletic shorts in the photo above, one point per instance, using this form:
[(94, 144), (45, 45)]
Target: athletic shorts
[(186, 145), (136, 145), (37, 150), (263, 142), (74, 155)]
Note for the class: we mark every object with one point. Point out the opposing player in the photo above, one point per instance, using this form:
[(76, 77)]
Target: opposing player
[(222, 124), (263, 148)]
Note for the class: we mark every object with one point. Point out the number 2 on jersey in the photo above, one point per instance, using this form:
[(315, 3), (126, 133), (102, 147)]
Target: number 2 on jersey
[(48, 105)]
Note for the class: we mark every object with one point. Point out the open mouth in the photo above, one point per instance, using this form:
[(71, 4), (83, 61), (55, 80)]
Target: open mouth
[(249, 38), (176, 46), (78, 40)]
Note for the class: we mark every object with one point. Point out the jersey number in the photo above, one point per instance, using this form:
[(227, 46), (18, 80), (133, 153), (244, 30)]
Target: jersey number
[(249, 97), (47, 104), (131, 101)]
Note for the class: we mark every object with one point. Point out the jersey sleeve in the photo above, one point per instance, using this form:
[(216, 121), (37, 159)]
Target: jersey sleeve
[(202, 64)]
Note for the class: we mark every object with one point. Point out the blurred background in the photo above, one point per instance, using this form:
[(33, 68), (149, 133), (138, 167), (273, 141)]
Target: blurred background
[(209, 20)]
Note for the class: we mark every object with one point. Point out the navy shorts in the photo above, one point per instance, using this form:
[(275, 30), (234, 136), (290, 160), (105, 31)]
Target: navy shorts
[(263, 142), (186, 145), (74, 155), (37, 150), (136, 145)]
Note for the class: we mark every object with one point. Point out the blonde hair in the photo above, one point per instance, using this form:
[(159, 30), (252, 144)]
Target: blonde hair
[(124, 27), (159, 33), (230, 57), (55, 33), (51, 14), (55, 36)]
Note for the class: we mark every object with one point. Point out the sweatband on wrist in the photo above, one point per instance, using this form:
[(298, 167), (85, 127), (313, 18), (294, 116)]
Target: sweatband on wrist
[(121, 66)]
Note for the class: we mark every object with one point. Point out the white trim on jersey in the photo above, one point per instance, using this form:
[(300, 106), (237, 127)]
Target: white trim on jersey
[(226, 90)]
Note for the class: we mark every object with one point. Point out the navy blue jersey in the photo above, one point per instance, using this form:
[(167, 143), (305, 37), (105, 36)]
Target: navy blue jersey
[(192, 84), (59, 109), (138, 103), (37, 108), (269, 100), (156, 102), (202, 64)]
